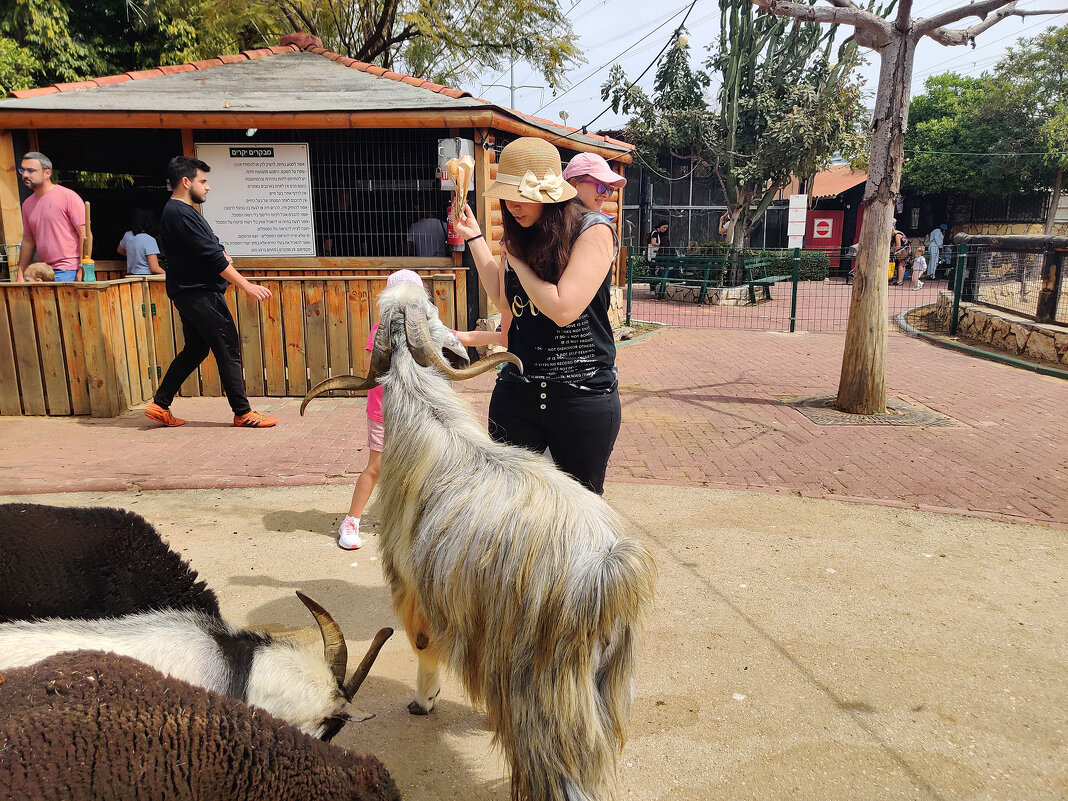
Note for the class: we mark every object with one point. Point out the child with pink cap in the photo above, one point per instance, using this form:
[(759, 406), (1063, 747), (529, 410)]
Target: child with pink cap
[(349, 531)]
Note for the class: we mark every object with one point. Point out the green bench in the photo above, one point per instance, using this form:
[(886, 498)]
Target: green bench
[(699, 272), (758, 273)]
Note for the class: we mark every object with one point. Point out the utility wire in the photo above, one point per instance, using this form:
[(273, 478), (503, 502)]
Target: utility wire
[(611, 61), (607, 108), (1006, 155)]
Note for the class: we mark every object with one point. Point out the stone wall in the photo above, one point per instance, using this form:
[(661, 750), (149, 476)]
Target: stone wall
[(1006, 332)]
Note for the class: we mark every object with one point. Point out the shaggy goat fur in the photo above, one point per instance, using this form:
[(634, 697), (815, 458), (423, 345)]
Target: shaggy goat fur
[(512, 573), (91, 726), (90, 563)]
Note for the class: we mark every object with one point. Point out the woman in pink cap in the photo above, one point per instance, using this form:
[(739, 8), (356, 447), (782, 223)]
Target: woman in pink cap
[(593, 179)]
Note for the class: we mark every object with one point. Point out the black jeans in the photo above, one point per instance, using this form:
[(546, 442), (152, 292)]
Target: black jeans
[(579, 428), (208, 326)]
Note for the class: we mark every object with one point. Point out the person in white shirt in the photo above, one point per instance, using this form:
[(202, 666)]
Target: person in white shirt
[(919, 267), (426, 237), (139, 245), (935, 240)]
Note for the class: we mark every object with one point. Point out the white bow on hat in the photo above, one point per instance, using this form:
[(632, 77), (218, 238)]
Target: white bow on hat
[(551, 185)]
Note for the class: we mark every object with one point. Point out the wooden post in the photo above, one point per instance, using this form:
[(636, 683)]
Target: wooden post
[(1052, 280), (483, 159), (10, 208)]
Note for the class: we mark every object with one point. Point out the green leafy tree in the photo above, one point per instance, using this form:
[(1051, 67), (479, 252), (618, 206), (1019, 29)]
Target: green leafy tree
[(964, 115), (19, 68), (447, 41), (71, 42), (1032, 84), (782, 108)]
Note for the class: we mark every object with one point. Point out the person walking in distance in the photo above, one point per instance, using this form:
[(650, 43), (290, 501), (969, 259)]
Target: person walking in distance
[(53, 221), (198, 270)]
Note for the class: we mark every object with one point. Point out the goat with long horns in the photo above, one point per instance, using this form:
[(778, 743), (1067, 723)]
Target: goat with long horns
[(502, 566)]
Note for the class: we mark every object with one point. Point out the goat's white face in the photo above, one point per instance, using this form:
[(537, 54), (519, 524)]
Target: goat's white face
[(404, 296), (297, 685)]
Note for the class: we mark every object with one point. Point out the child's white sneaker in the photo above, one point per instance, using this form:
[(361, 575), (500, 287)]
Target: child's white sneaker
[(348, 536)]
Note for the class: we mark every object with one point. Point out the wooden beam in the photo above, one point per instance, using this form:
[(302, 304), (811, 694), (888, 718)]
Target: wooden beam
[(188, 148), (483, 159), (37, 118), (10, 208)]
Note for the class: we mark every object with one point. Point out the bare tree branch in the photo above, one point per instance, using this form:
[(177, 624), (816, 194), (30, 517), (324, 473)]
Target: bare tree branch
[(980, 9), (860, 19), (963, 36), (904, 15)]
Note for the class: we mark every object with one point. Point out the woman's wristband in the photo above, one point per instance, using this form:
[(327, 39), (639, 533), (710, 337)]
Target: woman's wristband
[(472, 239)]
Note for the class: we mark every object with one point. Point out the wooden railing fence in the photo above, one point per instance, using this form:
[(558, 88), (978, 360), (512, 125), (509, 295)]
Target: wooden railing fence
[(101, 347)]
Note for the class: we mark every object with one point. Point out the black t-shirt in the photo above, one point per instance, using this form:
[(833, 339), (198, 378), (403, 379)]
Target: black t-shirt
[(195, 257), (582, 354)]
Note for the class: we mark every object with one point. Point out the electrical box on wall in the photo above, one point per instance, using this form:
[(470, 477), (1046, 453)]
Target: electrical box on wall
[(453, 148)]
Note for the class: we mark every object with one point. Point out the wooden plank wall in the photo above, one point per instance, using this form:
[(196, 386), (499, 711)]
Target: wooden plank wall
[(101, 347)]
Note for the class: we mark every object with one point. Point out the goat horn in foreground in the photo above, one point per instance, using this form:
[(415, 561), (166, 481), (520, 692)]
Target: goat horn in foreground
[(334, 648), (380, 354), (354, 682), (426, 352)]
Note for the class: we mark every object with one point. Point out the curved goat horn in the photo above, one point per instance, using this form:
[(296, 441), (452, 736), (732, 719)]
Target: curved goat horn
[(354, 682), (334, 648), (380, 355), (350, 382), (426, 352)]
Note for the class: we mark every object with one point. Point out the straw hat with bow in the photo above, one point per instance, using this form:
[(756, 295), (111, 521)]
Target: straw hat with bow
[(529, 171)]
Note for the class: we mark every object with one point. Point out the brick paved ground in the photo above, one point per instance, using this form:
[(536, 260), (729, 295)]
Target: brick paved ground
[(701, 407)]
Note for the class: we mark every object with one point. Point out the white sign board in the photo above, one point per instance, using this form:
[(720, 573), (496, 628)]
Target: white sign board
[(795, 220), (260, 200)]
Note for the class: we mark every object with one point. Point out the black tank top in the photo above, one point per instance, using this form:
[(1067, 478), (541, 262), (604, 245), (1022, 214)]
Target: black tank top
[(581, 354)]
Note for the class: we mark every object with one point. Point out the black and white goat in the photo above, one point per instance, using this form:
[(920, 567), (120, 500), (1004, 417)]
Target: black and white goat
[(503, 567), (90, 562), (302, 687)]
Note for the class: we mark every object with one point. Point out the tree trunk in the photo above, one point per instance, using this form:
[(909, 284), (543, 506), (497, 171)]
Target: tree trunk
[(1054, 201), (862, 385)]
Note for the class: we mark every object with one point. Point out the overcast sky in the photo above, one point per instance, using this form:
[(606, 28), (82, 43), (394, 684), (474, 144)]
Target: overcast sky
[(641, 28)]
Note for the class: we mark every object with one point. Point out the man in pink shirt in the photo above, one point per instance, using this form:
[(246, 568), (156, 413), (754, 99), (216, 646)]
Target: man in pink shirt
[(53, 221)]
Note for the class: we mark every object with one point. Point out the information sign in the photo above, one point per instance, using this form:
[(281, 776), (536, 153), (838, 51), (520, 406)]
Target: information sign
[(260, 200)]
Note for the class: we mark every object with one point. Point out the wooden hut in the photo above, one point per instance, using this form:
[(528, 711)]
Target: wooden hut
[(320, 164)]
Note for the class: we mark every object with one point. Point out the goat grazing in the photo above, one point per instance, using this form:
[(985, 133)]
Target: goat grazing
[(90, 563), (305, 689), (503, 567), (90, 726)]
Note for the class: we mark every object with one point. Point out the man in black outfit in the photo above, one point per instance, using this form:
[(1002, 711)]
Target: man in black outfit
[(198, 270)]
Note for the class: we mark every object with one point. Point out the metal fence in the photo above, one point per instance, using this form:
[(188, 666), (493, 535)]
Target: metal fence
[(790, 291)]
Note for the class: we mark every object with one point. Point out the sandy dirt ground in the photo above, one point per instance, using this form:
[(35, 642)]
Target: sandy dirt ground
[(799, 649)]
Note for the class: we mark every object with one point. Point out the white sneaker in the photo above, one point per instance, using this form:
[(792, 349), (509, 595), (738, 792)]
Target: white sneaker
[(349, 534), (919, 285)]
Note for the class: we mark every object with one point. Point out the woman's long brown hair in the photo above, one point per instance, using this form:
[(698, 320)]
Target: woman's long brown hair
[(546, 245)]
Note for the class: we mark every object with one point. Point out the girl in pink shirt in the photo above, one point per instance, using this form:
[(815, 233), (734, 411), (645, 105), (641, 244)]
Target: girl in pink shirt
[(349, 531)]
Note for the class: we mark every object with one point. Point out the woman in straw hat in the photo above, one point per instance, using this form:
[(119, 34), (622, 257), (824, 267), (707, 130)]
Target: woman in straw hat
[(552, 287)]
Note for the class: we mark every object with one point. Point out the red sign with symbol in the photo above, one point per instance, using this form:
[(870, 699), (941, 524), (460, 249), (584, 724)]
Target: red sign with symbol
[(823, 231)]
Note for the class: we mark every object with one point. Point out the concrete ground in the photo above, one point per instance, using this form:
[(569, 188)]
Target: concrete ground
[(908, 644), (800, 649)]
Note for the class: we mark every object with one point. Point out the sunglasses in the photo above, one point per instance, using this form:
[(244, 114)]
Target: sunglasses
[(602, 189)]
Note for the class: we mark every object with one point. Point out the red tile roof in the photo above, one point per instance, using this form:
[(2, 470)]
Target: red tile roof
[(264, 52)]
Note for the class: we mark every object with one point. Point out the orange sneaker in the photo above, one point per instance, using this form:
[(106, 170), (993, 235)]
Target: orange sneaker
[(254, 419), (161, 415)]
